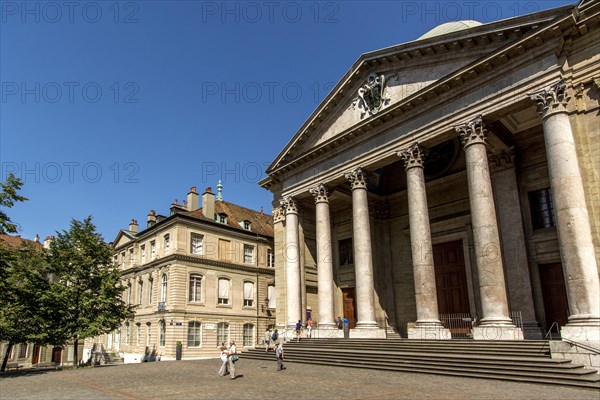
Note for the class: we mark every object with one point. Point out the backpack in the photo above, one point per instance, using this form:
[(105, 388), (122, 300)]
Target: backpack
[(275, 336)]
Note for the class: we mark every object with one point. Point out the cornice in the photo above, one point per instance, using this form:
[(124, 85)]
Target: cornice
[(423, 100)]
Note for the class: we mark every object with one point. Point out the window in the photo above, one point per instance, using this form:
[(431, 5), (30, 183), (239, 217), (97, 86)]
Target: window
[(248, 254), (150, 288), (128, 292), (221, 218), (138, 333), (247, 225), (148, 333), (248, 335), (131, 257), (116, 261), (541, 204), (163, 288), (222, 333), (152, 250), (270, 258), (195, 288), (167, 243), (140, 292), (23, 350), (162, 333), (248, 294), (345, 248), (126, 333), (223, 291), (271, 295), (143, 253), (123, 260), (197, 244), (194, 334)]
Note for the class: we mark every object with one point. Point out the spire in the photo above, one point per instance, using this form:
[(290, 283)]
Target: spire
[(219, 191)]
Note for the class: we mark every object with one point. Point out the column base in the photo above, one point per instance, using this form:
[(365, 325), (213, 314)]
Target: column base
[(367, 333), (429, 332), (588, 333), (497, 332), (366, 325)]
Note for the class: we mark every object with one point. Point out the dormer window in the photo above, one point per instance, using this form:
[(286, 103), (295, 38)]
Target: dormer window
[(247, 225), (221, 218)]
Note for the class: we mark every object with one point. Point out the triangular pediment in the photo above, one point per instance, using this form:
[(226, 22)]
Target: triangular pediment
[(387, 77), (123, 237)]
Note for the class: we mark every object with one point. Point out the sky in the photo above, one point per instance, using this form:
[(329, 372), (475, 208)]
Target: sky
[(116, 108)]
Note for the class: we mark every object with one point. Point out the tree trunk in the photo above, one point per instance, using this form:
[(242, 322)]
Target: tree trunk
[(5, 361), (75, 356)]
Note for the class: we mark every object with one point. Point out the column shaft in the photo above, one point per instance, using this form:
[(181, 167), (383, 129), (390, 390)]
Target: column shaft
[(292, 262)]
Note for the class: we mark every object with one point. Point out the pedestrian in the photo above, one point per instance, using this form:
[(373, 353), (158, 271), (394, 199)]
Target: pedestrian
[(224, 359), (233, 357), (275, 337), (298, 329), (267, 339), (340, 323), (309, 325), (280, 356)]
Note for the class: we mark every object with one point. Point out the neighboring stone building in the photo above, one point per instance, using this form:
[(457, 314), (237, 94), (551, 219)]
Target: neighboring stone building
[(201, 276), (27, 355), (456, 176)]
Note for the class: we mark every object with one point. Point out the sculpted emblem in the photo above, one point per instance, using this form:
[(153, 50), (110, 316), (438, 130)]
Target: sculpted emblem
[(373, 95)]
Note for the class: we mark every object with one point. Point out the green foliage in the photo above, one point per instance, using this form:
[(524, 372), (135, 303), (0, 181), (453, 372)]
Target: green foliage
[(8, 197), (85, 283)]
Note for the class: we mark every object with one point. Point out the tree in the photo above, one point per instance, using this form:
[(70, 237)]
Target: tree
[(87, 286), (8, 197)]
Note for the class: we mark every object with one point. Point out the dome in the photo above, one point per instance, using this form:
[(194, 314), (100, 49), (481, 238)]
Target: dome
[(450, 27)]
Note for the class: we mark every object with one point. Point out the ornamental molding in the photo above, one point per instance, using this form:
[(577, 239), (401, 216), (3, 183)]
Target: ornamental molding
[(358, 178), (472, 132), (551, 100), (373, 95), (320, 193), (289, 205), (413, 156), (501, 161), (278, 214)]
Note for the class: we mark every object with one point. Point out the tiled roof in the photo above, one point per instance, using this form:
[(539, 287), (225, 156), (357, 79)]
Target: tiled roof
[(260, 222), (15, 242)]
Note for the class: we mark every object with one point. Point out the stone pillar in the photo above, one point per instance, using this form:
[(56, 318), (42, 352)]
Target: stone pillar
[(324, 258), (292, 262), (495, 323), (363, 258), (428, 325), (512, 235), (572, 220)]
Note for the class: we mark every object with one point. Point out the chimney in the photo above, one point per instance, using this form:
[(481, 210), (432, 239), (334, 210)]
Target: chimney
[(133, 226), (151, 218), (36, 238), (192, 199), (208, 204)]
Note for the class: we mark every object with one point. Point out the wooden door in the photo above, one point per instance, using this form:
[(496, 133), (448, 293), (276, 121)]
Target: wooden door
[(554, 293), (349, 306), (35, 358), (451, 278), (57, 355)]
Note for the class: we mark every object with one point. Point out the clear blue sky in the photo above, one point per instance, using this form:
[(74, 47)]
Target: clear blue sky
[(115, 108)]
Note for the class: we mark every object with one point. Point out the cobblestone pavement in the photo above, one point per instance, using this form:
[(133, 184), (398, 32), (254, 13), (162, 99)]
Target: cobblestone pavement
[(260, 380)]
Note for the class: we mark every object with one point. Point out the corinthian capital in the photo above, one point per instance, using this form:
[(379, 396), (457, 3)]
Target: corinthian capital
[(357, 178), (289, 205), (278, 214), (552, 99), (472, 132), (412, 156), (320, 193)]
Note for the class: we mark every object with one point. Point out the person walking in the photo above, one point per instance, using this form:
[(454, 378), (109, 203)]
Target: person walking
[(340, 323), (233, 357), (280, 356), (267, 339), (298, 329), (309, 325), (224, 359)]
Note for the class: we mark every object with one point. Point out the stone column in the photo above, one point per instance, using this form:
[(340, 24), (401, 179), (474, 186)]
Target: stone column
[(292, 262), (363, 258), (428, 325), (572, 220), (512, 235), (496, 323), (324, 258)]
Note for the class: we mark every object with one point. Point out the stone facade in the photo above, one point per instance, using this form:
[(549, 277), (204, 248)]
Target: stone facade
[(198, 277), (449, 187)]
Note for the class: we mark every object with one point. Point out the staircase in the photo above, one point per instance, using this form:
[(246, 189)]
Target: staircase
[(519, 361)]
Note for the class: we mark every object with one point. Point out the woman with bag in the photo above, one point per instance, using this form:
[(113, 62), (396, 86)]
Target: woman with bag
[(233, 357)]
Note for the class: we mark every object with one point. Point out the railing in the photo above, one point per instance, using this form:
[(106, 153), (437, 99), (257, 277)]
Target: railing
[(589, 348), (517, 319), (550, 330), (459, 324)]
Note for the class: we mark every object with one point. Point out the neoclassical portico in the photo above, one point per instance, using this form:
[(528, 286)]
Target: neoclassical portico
[(491, 211)]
